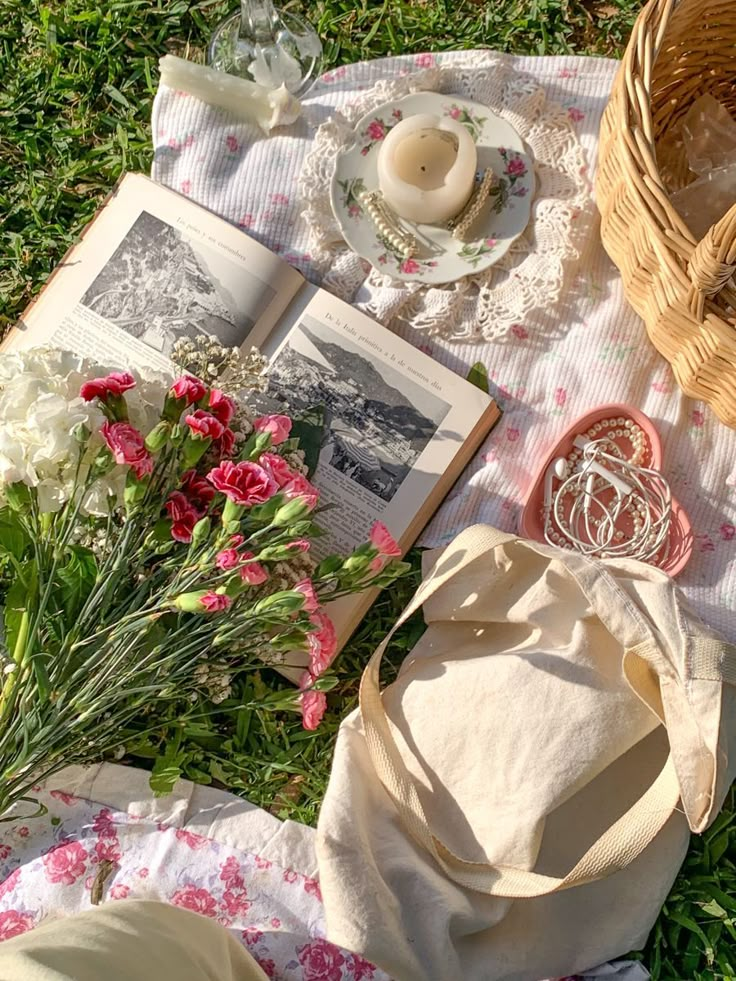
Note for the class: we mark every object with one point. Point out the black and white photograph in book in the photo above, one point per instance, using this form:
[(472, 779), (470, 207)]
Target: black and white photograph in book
[(160, 285), (378, 419)]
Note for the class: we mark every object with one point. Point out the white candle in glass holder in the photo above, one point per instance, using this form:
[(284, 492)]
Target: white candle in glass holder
[(426, 168)]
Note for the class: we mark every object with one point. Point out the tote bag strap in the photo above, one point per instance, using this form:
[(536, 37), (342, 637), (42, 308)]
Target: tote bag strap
[(617, 847)]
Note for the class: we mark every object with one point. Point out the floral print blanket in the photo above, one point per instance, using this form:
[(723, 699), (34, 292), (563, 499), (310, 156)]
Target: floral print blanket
[(243, 868)]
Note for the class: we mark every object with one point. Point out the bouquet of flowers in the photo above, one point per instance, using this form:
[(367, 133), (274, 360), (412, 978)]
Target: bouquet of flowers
[(155, 540)]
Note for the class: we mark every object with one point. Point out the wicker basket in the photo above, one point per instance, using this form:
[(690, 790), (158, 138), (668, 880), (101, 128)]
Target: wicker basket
[(683, 289)]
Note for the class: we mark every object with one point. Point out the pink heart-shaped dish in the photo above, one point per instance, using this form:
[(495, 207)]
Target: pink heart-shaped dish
[(680, 535)]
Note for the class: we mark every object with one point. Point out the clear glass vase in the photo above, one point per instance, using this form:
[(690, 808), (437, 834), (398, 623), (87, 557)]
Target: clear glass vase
[(267, 46)]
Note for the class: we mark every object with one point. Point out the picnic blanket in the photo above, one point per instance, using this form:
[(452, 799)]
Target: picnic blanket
[(585, 349), (105, 837)]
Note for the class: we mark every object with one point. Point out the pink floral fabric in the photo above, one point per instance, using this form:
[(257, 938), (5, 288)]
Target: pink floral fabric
[(48, 866)]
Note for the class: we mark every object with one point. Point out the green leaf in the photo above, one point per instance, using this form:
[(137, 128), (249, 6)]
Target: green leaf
[(13, 539), (166, 770), (689, 924), (478, 376), (38, 660), (719, 847), (16, 604), (76, 580), (309, 429)]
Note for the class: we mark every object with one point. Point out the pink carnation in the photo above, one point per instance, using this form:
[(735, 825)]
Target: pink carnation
[(382, 539), (203, 425), (198, 491), (306, 588), (322, 643), (215, 602), (183, 516), (222, 406), (225, 444), (277, 467), (115, 384), (300, 487), (189, 388), (243, 483), (227, 559), (127, 446), (278, 426), (300, 545), (252, 572), (313, 705)]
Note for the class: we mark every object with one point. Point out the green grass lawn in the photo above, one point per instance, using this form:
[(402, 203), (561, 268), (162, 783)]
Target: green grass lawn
[(79, 78)]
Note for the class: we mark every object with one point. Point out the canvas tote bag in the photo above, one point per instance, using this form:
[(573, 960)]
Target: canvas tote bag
[(517, 804)]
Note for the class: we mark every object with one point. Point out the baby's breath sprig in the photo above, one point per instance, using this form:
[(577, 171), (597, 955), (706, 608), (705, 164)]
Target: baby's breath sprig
[(234, 372)]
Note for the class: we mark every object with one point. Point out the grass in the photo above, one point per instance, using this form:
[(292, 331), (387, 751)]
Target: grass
[(79, 77)]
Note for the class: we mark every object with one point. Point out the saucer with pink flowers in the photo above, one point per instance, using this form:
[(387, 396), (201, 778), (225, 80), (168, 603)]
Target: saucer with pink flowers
[(440, 258)]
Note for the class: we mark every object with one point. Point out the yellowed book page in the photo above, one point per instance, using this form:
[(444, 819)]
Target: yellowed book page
[(397, 419), (152, 268), (400, 428)]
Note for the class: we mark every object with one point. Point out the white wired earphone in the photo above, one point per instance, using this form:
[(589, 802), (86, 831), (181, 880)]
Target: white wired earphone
[(600, 488)]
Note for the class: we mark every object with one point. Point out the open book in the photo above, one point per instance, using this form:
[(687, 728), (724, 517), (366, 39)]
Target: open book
[(154, 267)]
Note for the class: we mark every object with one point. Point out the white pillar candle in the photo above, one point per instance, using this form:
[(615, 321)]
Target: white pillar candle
[(426, 168)]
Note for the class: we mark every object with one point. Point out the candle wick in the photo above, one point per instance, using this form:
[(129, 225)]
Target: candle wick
[(422, 168)]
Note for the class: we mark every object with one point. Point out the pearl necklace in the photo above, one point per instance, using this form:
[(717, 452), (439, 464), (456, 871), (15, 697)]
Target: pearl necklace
[(610, 503)]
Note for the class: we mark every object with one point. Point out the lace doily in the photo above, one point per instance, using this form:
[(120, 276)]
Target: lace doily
[(487, 304)]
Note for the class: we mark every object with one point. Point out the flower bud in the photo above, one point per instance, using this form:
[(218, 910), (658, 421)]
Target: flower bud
[(262, 443), (81, 433), (356, 563), (202, 601), (158, 437), (275, 553), (290, 512), (201, 532), (190, 602), (288, 601)]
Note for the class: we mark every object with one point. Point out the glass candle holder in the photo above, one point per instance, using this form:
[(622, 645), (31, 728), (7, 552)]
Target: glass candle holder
[(268, 46)]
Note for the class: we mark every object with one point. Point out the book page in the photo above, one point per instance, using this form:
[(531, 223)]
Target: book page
[(153, 268), (397, 420)]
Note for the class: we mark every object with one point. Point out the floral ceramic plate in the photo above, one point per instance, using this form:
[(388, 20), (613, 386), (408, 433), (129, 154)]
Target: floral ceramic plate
[(440, 258)]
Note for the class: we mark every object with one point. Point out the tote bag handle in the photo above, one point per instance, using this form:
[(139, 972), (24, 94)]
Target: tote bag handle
[(617, 847)]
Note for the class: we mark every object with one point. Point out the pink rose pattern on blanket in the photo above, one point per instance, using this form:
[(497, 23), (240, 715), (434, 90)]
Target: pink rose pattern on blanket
[(48, 866)]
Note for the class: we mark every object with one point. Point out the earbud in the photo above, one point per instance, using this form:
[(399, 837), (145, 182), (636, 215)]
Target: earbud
[(558, 469)]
